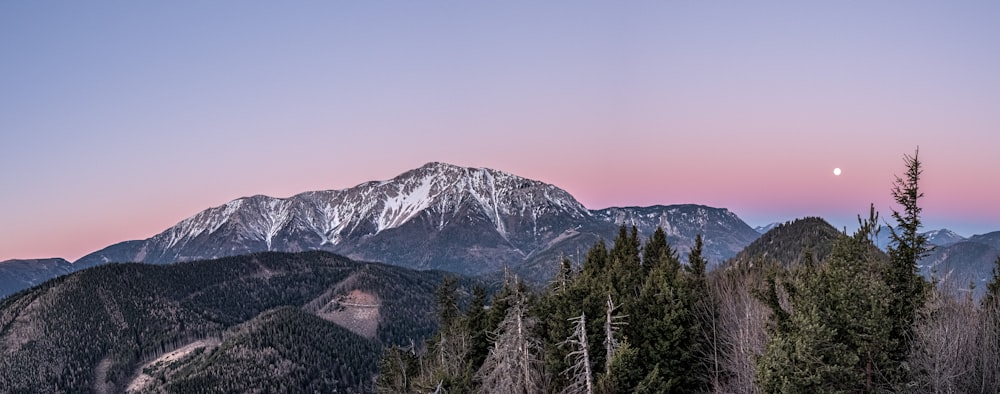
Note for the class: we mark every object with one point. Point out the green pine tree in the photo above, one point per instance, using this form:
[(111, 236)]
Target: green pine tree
[(835, 334), (907, 247)]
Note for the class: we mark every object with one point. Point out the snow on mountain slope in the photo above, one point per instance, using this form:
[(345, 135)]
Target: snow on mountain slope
[(523, 213), (724, 233), (765, 228), (943, 237)]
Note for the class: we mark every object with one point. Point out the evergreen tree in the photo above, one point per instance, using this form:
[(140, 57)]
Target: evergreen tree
[(397, 371), (666, 326), (557, 308), (835, 334), (477, 323), (907, 247), (596, 264), (697, 263), (625, 273), (656, 247), (624, 371), (699, 305)]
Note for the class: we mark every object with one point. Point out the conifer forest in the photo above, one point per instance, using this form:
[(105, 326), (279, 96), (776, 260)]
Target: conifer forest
[(836, 315), (805, 308)]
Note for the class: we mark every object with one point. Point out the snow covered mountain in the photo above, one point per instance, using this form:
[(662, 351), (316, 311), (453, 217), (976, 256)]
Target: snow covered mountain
[(419, 219), (724, 233), (438, 216), (766, 228), (968, 260), (943, 237)]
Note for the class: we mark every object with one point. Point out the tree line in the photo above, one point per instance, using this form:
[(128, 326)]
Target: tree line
[(632, 318)]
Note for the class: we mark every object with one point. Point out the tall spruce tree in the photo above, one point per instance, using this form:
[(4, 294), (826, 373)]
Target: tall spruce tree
[(654, 250), (476, 320), (907, 247), (664, 325)]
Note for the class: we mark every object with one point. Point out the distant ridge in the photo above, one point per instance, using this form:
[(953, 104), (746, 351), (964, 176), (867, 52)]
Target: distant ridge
[(21, 274), (787, 243), (438, 216)]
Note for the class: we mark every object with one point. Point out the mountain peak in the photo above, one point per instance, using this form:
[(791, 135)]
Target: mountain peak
[(519, 214), (943, 237), (437, 216)]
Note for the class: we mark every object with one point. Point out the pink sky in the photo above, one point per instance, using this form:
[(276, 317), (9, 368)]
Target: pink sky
[(117, 124)]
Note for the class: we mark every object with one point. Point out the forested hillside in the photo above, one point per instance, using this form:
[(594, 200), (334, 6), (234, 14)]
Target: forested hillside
[(807, 310), (281, 350), (634, 319), (90, 331), (788, 243)]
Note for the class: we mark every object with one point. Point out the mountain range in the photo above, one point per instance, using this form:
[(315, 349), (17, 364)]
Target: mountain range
[(438, 216), (961, 264), (273, 322)]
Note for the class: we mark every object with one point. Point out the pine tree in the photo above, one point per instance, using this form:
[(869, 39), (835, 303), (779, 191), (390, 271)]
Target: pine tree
[(625, 273), (835, 332), (624, 371), (656, 247), (596, 263), (397, 371), (447, 301), (666, 327), (452, 343), (907, 247), (699, 306), (477, 323)]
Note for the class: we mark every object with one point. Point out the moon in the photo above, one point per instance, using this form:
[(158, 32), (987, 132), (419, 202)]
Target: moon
[(836, 171)]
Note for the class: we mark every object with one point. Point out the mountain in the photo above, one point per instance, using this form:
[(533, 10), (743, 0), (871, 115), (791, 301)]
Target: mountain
[(21, 274), (960, 263), (786, 243), (724, 233), (990, 239), (942, 237), (439, 216), (281, 350), (204, 323), (465, 220), (765, 228), (955, 264), (883, 238)]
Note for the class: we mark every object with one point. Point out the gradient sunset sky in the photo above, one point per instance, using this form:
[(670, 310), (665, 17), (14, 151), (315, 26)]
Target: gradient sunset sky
[(119, 119)]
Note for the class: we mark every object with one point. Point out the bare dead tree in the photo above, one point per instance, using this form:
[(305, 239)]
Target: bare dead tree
[(988, 348), (578, 372), (612, 324), (452, 348), (945, 336), (513, 364), (738, 333)]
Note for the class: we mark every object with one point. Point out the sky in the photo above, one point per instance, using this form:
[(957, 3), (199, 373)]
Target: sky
[(119, 119)]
